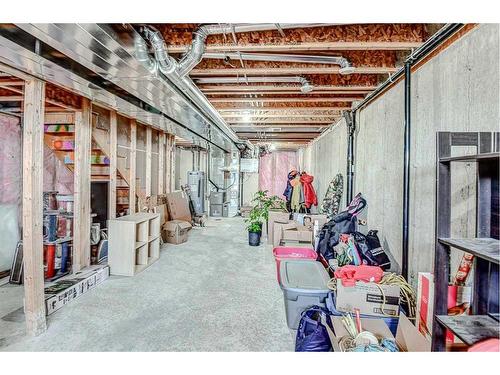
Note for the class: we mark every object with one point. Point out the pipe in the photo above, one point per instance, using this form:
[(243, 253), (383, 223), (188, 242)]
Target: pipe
[(351, 127), (195, 52), (345, 65), (406, 173), (165, 63), (168, 67), (414, 57), (142, 54), (306, 85)]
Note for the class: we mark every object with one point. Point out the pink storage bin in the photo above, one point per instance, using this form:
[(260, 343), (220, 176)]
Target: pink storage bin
[(283, 252)]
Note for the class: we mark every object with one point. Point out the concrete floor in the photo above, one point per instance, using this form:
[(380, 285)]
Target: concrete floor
[(213, 293)]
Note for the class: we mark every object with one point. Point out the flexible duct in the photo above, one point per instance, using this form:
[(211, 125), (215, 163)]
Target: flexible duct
[(195, 53), (166, 64)]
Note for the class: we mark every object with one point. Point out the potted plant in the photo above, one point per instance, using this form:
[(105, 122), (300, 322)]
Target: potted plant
[(260, 213), (254, 226)]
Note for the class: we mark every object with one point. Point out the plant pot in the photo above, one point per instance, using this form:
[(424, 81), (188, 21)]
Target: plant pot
[(254, 238)]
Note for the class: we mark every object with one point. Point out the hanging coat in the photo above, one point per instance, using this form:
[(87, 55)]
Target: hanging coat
[(289, 188), (309, 193), (297, 189)]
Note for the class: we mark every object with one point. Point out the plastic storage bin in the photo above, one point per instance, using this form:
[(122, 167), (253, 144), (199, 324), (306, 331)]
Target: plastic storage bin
[(304, 284), (282, 252)]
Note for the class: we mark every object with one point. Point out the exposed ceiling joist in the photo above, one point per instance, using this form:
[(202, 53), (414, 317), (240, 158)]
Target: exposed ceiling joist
[(284, 93), (277, 121), (314, 46), (283, 100), (258, 88), (289, 71)]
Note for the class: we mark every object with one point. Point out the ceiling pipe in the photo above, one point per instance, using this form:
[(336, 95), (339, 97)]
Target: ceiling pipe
[(169, 67), (345, 65), (305, 88), (195, 53)]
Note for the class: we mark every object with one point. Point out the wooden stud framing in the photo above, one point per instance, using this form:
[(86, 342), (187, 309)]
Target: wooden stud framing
[(132, 166), (82, 178), (148, 160), (113, 124), (161, 163), (34, 301)]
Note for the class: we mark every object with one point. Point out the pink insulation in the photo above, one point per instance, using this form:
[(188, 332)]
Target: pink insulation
[(273, 171), (11, 182), (56, 176)]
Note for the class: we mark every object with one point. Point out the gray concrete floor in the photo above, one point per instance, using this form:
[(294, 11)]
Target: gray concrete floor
[(213, 293)]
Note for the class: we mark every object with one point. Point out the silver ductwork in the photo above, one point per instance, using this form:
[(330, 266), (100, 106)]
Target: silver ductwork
[(165, 63), (195, 53), (345, 65), (305, 88)]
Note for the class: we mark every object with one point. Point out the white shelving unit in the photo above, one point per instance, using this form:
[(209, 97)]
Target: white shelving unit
[(134, 243)]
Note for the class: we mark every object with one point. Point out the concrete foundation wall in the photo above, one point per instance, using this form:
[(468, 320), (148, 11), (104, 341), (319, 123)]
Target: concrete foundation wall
[(325, 157), (457, 90)]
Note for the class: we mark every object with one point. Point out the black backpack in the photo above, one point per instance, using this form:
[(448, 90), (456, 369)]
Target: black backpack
[(343, 222)]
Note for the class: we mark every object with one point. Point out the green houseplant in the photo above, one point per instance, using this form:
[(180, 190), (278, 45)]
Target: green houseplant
[(260, 214)]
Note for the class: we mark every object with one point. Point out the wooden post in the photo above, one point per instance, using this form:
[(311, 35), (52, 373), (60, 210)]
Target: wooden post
[(132, 166), (172, 163), (113, 124), (168, 183), (34, 302), (82, 177), (148, 160), (161, 163)]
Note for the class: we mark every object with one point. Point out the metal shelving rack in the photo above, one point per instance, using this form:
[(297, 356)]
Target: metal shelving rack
[(485, 247)]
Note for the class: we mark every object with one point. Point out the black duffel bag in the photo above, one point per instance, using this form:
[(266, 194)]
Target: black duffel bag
[(370, 249)]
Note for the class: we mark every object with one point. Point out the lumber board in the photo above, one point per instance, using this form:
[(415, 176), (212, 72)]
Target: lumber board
[(82, 179), (148, 160), (132, 166), (161, 163), (32, 214), (113, 125)]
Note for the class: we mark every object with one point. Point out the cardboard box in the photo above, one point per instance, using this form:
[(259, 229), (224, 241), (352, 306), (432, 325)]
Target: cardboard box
[(162, 210), (367, 298), (275, 217), (245, 211), (309, 219), (66, 289), (176, 231), (458, 298), (178, 206), (278, 229), (407, 337), (300, 233)]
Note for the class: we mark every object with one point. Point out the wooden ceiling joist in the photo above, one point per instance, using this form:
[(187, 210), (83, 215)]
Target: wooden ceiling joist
[(305, 47), (296, 92), (284, 110), (288, 71), (233, 117), (275, 88), (278, 121), (284, 100)]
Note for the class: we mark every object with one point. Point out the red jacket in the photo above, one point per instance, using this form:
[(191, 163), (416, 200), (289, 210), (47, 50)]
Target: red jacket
[(309, 193)]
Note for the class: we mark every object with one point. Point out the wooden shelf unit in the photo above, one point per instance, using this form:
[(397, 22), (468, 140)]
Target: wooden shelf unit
[(134, 243), (485, 247)]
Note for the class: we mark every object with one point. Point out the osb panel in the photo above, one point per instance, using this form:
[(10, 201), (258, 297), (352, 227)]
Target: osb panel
[(357, 58), (181, 34), (62, 96)]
